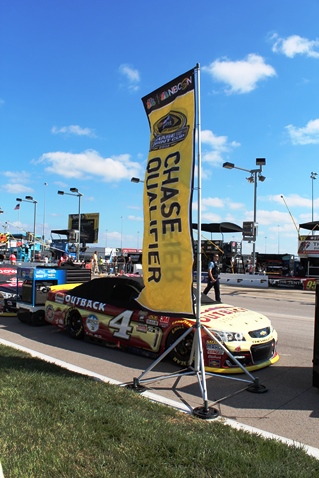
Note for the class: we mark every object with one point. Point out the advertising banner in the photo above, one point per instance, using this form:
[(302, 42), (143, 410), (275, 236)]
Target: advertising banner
[(89, 226), (308, 246), (168, 184)]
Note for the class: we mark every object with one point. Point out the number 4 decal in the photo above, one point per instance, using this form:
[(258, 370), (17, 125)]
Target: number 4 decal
[(122, 325)]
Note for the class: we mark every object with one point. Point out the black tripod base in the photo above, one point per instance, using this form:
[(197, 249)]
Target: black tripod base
[(256, 387), (136, 386), (205, 413)]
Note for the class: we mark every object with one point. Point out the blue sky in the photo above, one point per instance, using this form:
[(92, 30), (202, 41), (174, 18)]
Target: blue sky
[(72, 75)]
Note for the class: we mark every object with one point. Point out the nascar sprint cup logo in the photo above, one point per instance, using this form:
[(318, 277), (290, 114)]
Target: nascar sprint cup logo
[(169, 130)]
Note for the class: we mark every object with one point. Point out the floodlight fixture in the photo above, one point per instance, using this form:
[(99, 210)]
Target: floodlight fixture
[(76, 192), (252, 179), (228, 165)]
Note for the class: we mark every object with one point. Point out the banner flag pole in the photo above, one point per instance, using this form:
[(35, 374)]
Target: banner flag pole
[(196, 364)]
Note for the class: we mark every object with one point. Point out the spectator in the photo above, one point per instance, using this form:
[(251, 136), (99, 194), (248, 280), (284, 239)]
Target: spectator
[(95, 266), (13, 258), (62, 259), (129, 265)]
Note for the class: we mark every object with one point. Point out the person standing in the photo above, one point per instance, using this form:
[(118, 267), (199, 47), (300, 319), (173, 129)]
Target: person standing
[(95, 267), (129, 265), (13, 258), (213, 278)]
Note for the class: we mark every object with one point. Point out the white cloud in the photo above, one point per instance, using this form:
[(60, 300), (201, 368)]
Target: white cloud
[(135, 218), (17, 182), (74, 130), (131, 75), (89, 164), (292, 200), (219, 145), (267, 218), (295, 45), (210, 217), (212, 202), (309, 134), (240, 76), (17, 188)]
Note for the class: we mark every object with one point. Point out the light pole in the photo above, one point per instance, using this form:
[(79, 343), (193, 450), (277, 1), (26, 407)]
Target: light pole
[(76, 192), (32, 200), (121, 233), (312, 177), (137, 180), (254, 174), (44, 204)]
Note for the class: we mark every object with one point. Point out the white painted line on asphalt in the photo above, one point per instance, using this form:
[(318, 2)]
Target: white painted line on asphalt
[(164, 401)]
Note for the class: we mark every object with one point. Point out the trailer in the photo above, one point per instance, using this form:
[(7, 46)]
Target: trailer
[(36, 282)]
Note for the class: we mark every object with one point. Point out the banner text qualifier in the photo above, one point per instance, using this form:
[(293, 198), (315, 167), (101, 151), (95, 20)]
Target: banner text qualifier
[(168, 208)]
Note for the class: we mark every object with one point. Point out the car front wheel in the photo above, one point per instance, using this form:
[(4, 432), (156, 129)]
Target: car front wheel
[(181, 352)]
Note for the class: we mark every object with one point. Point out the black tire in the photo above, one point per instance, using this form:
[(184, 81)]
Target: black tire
[(74, 324), (37, 318), (180, 354)]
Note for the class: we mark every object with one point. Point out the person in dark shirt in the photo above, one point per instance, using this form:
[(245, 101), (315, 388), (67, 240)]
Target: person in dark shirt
[(213, 278)]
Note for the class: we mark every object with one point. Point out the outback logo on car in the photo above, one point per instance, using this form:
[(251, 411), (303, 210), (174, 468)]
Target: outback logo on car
[(87, 303)]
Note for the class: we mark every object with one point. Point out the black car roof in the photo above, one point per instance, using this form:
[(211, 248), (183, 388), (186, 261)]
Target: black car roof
[(119, 291), (110, 289)]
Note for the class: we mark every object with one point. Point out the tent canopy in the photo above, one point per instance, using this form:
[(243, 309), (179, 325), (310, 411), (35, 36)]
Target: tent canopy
[(219, 227), (310, 226)]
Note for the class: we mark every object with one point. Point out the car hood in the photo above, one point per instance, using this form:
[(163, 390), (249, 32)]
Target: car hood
[(232, 318)]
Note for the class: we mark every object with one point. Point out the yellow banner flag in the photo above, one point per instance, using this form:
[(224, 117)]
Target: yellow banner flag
[(167, 244)]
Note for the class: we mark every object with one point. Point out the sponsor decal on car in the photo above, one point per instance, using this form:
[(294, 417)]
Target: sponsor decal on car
[(222, 312), (141, 328), (49, 312), (214, 357), (214, 363), (163, 321), (92, 323), (152, 322), (141, 316), (85, 303), (214, 348), (59, 298)]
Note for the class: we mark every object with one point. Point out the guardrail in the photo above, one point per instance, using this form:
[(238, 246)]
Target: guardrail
[(243, 280)]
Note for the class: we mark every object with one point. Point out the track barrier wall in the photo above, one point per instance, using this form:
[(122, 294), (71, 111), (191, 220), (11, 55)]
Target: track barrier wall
[(243, 280)]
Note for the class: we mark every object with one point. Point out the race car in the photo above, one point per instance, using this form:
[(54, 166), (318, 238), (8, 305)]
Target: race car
[(8, 300), (105, 310)]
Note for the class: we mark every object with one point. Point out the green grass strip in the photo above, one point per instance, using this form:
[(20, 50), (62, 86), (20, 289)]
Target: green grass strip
[(57, 424)]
